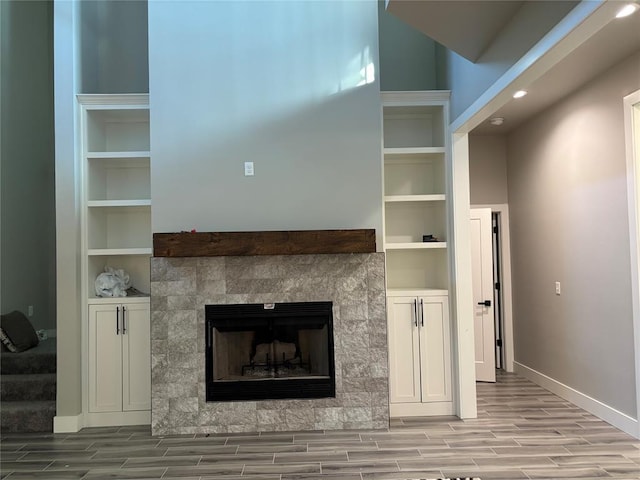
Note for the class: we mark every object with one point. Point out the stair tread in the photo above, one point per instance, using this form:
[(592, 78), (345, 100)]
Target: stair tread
[(12, 406), (28, 377)]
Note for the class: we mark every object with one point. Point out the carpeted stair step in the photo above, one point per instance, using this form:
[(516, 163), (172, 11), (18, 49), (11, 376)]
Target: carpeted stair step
[(33, 386), (29, 416), (40, 359)]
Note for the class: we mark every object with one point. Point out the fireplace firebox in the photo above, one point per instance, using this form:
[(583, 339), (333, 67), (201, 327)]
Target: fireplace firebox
[(269, 351)]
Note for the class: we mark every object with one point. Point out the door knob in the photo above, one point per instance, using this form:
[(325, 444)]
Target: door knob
[(486, 303)]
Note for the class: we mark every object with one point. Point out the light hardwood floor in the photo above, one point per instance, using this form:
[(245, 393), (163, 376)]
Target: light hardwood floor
[(522, 432)]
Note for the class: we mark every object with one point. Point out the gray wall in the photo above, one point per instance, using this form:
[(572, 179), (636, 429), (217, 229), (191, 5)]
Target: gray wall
[(488, 169), (113, 46), (467, 80), (27, 165), (568, 214), (280, 84), (407, 56)]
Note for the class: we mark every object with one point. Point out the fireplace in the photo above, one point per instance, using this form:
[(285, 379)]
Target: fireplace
[(269, 351), (182, 287)]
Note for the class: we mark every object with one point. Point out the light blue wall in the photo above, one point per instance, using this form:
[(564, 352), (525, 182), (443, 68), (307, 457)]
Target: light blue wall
[(27, 161), (281, 84), (113, 46), (407, 56)]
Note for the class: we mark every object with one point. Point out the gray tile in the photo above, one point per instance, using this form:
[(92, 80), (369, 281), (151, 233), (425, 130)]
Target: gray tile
[(85, 464), (282, 469), (310, 457), (129, 474), (573, 473), (205, 470), (362, 467), (395, 454), (65, 475), (181, 461)]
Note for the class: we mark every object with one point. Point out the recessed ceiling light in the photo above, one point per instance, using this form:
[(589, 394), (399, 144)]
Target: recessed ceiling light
[(497, 121), (627, 10), (520, 94)]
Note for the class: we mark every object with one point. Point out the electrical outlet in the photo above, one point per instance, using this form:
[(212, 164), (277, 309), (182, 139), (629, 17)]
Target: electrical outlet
[(558, 291), (30, 310)]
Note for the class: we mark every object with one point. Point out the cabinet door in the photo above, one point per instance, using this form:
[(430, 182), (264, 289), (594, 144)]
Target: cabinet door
[(105, 358), (136, 358), (404, 350), (435, 349)]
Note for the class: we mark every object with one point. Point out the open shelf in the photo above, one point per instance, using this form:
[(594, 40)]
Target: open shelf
[(119, 178), (136, 265), (413, 126), (117, 129), (422, 174), (119, 227), (417, 269), (407, 222)]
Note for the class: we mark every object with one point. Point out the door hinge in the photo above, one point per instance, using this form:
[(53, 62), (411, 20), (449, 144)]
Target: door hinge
[(495, 229), (499, 342), (497, 285)]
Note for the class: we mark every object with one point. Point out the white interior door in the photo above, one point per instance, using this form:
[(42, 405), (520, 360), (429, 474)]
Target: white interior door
[(482, 274)]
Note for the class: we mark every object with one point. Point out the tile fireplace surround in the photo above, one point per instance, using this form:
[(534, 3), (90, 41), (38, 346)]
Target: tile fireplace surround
[(181, 287)]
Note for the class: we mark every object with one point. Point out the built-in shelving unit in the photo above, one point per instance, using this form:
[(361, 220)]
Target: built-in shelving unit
[(415, 154), (415, 150), (115, 162)]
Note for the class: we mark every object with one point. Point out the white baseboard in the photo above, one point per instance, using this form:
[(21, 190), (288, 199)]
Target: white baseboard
[(116, 419), (68, 424), (609, 414)]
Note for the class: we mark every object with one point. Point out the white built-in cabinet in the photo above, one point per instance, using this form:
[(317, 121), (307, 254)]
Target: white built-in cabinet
[(115, 164), (419, 355), (416, 230), (119, 357)]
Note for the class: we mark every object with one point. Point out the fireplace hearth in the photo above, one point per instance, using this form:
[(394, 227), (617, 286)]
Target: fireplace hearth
[(269, 351)]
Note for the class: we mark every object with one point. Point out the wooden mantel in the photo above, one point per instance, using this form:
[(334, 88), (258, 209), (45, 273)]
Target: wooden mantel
[(297, 242)]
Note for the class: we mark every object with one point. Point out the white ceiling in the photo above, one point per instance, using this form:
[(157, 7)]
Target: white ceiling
[(468, 27), (614, 42)]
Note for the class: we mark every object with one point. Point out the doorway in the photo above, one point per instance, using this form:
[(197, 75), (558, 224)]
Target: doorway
[(496, 288), (632, 143)]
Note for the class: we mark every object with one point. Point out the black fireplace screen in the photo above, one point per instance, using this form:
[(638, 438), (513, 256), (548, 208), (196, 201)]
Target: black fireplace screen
[(275, 350)]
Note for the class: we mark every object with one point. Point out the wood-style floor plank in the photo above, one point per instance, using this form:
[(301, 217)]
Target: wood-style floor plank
[(522, 432)]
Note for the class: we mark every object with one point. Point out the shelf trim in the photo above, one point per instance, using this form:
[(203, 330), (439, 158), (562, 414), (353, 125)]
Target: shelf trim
[(104, 252), (435, 197), (119, 154), (119, 203), (412, 98), (413, 150), (417, 291), (93, 300), (415, 245), (111, 101)]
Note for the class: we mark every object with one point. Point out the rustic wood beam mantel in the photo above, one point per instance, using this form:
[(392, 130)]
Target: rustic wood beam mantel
[(297, 242)]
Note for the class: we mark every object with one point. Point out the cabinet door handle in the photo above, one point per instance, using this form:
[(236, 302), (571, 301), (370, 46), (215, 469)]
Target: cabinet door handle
[(485, 303), (117, 320), (415, 311), (422, 312), (124, 321)]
